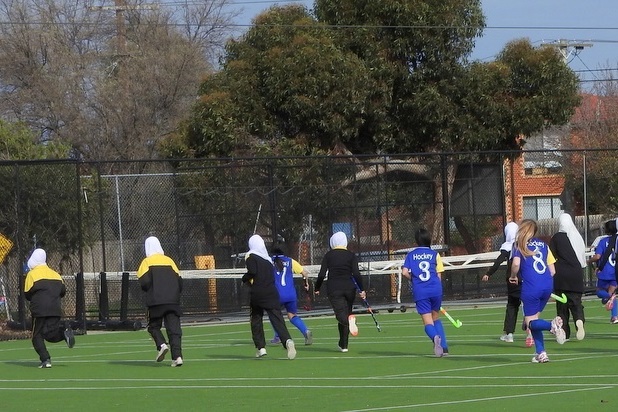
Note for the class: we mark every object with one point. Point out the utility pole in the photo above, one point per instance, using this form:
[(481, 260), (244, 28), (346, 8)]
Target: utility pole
[(119, 7), (568, 48)]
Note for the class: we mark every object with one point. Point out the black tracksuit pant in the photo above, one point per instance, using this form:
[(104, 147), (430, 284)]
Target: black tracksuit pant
[(46, 329), (342, 301), (573, 306), (276, 319)]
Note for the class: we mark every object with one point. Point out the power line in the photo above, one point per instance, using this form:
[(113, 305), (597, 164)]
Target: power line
[(597, 80), (586, 66), (596, 70)]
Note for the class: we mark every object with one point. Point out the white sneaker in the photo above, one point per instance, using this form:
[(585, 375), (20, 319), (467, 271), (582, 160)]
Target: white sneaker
[(308, 337), (162, 352), (507, 337), (261, 353), (289, 346), (556, 329), (344, 350), (437, 346), (353, 327), (177, 362), (581, 333), (540, 358), (45, 364)]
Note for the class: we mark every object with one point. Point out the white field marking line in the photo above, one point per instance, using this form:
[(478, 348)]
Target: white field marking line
[(248, 356), (75, 359), (493, 398), (341, 378), (321, 387), (498, 365), (336, 387)]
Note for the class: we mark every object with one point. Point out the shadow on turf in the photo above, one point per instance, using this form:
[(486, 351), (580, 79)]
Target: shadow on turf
[(33, 364), (572, 345), (239, 356), (141, 363)]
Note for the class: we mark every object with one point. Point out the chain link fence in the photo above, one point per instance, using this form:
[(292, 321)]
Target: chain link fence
[(93, 218)]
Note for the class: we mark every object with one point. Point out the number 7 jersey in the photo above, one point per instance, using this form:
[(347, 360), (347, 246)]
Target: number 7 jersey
[(424, 265)]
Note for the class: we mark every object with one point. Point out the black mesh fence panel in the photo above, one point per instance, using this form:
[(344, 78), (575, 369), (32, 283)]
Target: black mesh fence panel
[(93, 218)]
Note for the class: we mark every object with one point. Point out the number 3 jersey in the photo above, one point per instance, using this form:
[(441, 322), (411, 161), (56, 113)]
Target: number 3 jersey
[(534, 270), (424, 265)]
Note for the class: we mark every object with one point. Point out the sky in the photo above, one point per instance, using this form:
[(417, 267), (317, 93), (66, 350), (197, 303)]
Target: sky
[(593, 24)]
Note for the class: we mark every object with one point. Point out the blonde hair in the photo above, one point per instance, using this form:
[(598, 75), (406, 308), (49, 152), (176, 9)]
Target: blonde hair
[(527, 230)]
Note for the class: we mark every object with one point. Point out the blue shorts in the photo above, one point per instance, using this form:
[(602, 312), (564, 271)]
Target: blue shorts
[(428, 305), (534, 303), (603, 284), (290, 307)]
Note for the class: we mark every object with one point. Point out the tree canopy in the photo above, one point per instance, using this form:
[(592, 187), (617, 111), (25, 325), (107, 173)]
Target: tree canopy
[(43, 195), (363, 77), (367, 77)]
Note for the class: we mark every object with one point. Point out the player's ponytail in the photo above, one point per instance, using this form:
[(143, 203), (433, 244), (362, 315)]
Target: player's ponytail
[(527, 230), (278, 256)]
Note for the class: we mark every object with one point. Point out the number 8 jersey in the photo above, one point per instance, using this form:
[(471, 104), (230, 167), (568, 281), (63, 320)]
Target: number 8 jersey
[(424, 264), (534, 270)]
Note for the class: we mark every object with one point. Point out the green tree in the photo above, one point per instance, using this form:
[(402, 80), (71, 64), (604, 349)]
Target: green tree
[(374, 77), (40, 193), (371, 77)]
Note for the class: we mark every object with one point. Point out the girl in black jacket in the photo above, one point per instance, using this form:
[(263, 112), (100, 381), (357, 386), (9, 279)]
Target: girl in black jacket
[(342, 268), (569, 249), (513, 289), (161, 283), (44, 289), (260, 278)]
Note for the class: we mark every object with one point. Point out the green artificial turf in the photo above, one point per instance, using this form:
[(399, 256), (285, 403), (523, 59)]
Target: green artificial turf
[(392, 370)]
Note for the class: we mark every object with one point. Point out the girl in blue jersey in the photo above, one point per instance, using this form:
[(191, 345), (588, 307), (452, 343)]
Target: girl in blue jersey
[(513, 290), (285, 269), (423, 267), (606, 269), (534, 262)]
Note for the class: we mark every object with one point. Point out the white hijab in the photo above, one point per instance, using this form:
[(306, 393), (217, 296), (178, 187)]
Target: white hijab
[(510, 232), (153, 246), (338, 240), (38, 257), (257, 247), (566, 225)]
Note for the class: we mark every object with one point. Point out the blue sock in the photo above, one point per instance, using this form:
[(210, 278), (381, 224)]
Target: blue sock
[(431, 331), (540, 324), (603, 294), (537, 327), (298, 322), (440, 329), (615, 310)]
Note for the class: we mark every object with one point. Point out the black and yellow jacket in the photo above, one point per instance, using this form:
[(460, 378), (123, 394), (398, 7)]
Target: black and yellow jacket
[(44, 289), (160, 280)]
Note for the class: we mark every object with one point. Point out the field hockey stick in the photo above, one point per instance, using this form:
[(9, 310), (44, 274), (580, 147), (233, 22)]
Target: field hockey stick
[(457, 323), (368, 307), (561, 299)]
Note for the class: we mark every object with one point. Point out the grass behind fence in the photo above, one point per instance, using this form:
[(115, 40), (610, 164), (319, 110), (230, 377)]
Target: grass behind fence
[(392, 370)]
